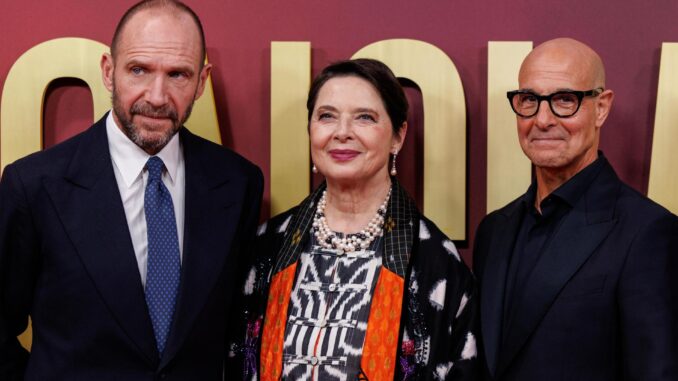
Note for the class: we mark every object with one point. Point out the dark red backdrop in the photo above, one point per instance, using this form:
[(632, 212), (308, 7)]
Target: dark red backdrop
[(627, 34)]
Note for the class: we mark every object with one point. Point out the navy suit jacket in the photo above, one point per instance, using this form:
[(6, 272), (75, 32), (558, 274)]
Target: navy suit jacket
[(67, 260), (602, 301)]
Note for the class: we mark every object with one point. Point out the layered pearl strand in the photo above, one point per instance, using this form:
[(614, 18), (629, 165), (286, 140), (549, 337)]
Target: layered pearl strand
[(361, 240)]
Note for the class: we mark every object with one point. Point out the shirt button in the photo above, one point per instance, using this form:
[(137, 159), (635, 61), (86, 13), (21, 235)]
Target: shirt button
[(333, 287), (314, 361)]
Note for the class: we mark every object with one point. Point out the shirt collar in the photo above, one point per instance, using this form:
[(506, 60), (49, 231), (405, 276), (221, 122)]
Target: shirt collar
[(574, 188), (571, 191), (131, 160)]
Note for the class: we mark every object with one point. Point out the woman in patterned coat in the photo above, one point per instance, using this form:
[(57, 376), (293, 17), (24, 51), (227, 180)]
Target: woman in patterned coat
[(354, 283)]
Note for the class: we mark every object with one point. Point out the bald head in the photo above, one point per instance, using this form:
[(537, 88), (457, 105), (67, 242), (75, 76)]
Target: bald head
[(566, 55), (560, 145), (173, 7)]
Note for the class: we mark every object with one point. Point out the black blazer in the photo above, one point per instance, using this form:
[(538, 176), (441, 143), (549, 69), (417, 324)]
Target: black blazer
[(67, 260), (602, 301)]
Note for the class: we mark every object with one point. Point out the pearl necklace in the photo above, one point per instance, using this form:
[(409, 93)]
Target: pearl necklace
[(328, 239)]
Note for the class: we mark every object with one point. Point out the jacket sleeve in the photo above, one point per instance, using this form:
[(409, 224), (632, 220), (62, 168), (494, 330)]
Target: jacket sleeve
[(18, 271), (245, 250), (464, 331), (250, 299), (648, 303), (480, 251), (448, 299)]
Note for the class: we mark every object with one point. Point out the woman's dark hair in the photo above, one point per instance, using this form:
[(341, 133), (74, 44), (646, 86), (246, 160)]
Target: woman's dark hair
[(376, 73)]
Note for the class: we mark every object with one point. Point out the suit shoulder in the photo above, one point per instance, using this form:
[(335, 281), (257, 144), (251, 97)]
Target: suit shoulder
[(634, 205), (222, 157), (48, 162), (501, 214)]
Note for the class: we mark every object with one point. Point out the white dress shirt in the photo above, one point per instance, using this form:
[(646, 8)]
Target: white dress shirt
[(129, 163)]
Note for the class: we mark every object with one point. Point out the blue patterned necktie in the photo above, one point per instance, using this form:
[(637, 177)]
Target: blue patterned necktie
[(164, 263)]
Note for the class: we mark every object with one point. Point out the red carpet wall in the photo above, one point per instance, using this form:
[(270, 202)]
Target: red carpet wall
[(446, 168)]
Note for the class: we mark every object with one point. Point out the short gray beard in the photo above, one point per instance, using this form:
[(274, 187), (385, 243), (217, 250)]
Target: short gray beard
[(152, 146)]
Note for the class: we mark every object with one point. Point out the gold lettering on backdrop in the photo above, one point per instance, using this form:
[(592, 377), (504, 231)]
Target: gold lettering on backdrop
[(28, 79), (663, 184), (444, 126), (290, 163), (203, 120), (508, 169)]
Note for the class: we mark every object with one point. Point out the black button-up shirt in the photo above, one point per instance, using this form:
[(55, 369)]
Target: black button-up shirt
[(537, 229)]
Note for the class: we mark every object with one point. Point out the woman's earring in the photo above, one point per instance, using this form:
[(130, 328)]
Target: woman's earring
[(393, 165), (314, 169)]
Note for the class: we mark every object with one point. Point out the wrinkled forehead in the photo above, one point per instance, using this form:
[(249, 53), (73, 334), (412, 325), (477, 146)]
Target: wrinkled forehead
[(161, 28)]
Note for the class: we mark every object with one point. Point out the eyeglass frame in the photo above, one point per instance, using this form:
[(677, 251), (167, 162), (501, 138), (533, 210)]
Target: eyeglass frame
[(578, 93)]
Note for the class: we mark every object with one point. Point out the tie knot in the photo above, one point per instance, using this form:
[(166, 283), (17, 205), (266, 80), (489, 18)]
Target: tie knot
[(154, 165)]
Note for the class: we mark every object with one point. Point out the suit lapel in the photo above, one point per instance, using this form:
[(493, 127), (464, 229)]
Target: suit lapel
[(494, 282), (89, 205), (581, 231), (212, 211)]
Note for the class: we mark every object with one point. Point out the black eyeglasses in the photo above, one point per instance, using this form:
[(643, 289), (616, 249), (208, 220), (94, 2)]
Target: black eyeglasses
[(563, 104)]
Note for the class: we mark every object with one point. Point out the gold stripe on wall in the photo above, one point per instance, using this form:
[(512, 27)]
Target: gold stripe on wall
[(508, 169), (290, 162), (203, 121), (663, 184)]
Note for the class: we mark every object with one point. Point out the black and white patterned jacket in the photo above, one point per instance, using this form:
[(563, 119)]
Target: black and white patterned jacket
[(439, 320)]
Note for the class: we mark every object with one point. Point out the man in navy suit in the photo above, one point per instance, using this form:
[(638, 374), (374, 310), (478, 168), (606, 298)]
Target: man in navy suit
[(122, 244), (578, 276)]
